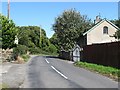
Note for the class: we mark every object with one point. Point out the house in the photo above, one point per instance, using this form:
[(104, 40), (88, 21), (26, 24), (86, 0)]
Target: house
[(102, 32)]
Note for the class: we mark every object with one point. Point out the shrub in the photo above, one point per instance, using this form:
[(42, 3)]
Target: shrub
[(52, 48), (19, 50), (25, 57), (35, 50)]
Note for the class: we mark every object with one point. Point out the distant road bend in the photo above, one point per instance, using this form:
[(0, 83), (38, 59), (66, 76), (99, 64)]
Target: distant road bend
[(49, 72)]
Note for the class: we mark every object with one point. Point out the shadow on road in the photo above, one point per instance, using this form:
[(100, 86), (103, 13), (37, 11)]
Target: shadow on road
[(52, 57)]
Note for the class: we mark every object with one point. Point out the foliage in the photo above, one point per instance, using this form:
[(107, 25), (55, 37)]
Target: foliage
[(54, 40), (25, 57), (44, 42), (69, 26), (9, 31), (117, 23), (35, 50), (29, 36), (117, 34), (51, 49), (20, 50), (105, 70), (4, 86)]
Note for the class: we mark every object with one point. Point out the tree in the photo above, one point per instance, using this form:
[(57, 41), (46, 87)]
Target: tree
[(54, 41), (23, 36), (44, 41), (9, 31), (69, 27), (117, 34), (29, 36), (117, 23)]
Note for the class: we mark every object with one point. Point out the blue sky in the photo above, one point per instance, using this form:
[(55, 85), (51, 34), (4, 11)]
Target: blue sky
[(43, 13)]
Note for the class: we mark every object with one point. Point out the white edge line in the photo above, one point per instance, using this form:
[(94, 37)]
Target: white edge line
[(46, 60), (59, 72)]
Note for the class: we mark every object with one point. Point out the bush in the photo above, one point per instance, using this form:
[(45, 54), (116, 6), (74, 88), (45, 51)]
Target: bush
[(51, 49), (35, 50), (19, 50), (25, 57)]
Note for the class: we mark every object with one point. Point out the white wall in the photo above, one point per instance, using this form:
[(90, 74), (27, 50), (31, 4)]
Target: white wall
[(97, 36)]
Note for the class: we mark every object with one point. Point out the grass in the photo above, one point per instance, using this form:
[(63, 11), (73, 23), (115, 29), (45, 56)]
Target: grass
[(104, 70), (25, 57), (3, 86)]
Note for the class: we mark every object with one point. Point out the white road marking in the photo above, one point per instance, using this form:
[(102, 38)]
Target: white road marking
[(59, 72), (46, 60)]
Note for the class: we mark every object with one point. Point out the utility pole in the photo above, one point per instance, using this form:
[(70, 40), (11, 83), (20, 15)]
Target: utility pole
[(8, 9), (40, 36)]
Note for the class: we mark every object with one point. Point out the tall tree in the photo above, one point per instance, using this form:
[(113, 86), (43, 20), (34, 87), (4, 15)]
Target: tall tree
[(9, 31), (30, 37), (54, 41), (69, 26), (117, 23)]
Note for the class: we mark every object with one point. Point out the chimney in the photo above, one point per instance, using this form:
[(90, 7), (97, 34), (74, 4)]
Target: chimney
[(97, 19)]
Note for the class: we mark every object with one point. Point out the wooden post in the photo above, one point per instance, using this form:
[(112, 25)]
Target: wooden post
[(8, 9)]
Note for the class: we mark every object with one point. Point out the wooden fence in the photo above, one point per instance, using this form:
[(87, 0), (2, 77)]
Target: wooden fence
[(107, 54), (65, 55)]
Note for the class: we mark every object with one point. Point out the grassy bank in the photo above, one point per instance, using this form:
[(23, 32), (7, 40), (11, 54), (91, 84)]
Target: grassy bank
[(104, 70)]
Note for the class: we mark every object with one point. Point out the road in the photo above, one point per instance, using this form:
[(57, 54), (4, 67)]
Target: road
[(49, 72)]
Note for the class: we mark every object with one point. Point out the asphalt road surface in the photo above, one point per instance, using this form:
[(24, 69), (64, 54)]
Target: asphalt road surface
[(49, 72)]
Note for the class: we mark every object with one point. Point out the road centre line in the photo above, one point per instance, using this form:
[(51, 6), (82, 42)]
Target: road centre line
[(59, 72), (46, 60)]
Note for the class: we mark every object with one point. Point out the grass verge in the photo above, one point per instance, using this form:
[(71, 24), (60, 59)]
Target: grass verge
[(3, 86), (110, 72)]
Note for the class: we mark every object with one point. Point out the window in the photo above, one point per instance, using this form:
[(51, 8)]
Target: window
[(105, 30)]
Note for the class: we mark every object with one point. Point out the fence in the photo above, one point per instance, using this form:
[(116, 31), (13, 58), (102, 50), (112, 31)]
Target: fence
[(107, 54), (65, 55)]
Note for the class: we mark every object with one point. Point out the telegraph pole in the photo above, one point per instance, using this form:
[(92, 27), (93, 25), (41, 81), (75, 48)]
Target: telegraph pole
[(8, 9), (40, 36)]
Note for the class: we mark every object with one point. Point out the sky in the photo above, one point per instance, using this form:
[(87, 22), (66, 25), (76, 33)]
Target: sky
[(44, 13), (119, 10)]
